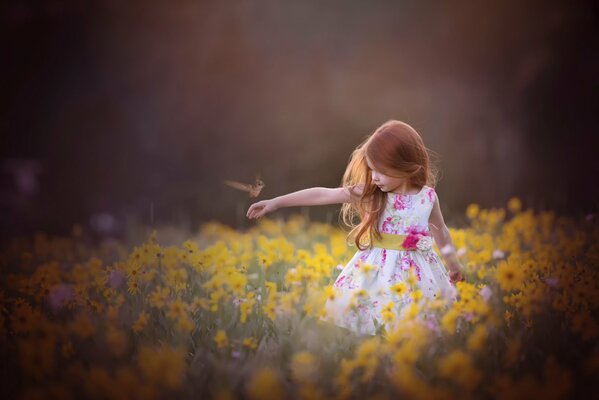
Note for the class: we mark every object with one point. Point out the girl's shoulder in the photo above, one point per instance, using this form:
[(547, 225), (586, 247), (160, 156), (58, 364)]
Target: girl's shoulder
[(430, 193)]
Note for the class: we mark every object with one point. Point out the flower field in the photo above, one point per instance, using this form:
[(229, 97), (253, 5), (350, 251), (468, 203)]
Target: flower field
[(230, 314)]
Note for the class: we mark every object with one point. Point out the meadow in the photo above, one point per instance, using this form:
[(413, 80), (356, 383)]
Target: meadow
[(235, 314)]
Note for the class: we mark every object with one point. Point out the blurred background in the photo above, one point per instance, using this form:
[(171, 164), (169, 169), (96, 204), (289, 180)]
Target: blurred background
[(114, 111)]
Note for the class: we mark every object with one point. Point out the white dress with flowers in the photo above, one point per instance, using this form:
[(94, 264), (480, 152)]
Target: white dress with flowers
[(358, 309)]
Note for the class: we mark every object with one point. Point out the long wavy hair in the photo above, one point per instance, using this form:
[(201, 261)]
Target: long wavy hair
[(394, 149)]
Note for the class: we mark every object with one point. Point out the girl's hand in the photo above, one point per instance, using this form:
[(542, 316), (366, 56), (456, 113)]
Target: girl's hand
[(261, 208)]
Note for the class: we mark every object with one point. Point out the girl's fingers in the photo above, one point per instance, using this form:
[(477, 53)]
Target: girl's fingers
[(252, 210)]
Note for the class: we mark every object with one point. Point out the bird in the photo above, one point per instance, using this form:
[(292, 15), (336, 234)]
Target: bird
[(253, 189)]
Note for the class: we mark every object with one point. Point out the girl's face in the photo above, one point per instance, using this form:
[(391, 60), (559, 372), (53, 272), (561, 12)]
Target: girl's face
[(387, 183)]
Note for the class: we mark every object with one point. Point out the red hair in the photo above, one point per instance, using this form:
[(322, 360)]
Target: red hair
[(394, 149)]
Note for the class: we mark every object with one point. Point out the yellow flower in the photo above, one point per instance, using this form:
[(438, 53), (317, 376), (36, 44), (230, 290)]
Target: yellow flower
[(399, 289), (509, 275), (265, 259), (330, 293), (513, 352), (176, 278), (185, 324), (514, 205), (221, 338), (410, 311), (265, 385), (448, 321), (388, 316), (246, 307), (250, 343), (416, 295), (304, 367), (177, 309), (584, 324), (366, 268), (508, 317), (269, 310), (82, 326), (24, 317), (389, 306), (141, 322), (164, 366), (412, 277), (116, 340), (159, 297), (457, 366), (36, 356), (477, 339), (199, 303), (472, 211)]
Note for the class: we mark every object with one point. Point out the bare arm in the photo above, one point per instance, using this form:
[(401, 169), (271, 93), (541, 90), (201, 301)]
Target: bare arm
[(443, 240), (314, 196)]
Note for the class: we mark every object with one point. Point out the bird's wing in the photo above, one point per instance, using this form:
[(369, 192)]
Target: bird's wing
[(238, 185)]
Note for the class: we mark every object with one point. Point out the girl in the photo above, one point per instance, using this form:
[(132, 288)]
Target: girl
[(388, 184)]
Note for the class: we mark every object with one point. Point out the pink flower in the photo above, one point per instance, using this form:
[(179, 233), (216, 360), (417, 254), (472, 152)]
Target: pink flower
[(401, 202), (413, 236), (386, 224), (431, 195), (410, 241), (339, 281)]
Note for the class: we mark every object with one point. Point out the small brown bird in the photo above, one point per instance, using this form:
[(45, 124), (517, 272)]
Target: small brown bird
[(252, 188)]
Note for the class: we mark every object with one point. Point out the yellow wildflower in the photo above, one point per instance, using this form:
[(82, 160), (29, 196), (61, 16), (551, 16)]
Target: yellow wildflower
[(366, 268), (472, 210), (116, 341), (24, 317), (399, 289), (141, 322), (269, 310), (330, 293), (246, 307), (177, 309), (585, 325), (514, 204), (159, 297), (250, 343), (457, 366), (304, 368), (265, 385), (509, 275), (163, 366), (185, 324), (477, 338), (82, 326), (199, 303), (416, 295), (221, 338), (388, 316)]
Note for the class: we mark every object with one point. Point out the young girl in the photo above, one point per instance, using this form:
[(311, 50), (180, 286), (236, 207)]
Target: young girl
[(388, 184)]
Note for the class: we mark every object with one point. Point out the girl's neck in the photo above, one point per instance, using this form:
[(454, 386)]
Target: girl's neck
[(406, 190)]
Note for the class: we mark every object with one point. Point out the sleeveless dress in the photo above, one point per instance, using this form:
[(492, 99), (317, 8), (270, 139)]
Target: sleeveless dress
[(389, 267)]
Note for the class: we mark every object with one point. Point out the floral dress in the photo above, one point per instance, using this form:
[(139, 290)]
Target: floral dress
[(364, 286)]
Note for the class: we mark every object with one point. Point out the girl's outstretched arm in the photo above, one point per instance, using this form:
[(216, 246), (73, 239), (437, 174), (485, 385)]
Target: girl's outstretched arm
[(443, 239), (314, 196)]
